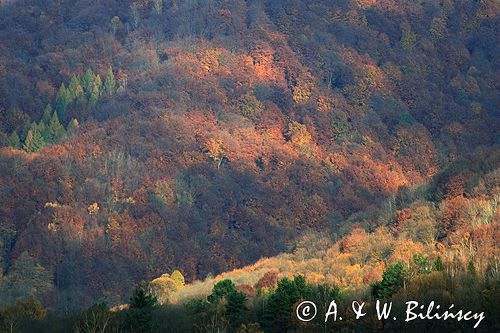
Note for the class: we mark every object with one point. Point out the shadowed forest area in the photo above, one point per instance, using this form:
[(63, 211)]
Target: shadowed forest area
[(204, 166)]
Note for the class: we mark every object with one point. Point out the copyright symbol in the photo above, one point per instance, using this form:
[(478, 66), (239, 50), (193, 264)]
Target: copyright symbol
[(306, 311)]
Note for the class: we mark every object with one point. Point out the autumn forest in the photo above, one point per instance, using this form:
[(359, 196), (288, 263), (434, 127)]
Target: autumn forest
[(205, 166)]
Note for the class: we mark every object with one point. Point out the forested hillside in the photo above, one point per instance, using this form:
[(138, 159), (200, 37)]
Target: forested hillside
[(143, 137)]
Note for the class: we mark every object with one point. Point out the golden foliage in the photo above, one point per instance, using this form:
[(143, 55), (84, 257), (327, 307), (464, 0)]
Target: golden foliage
[(298, 134), (93, 208), (302, 90)]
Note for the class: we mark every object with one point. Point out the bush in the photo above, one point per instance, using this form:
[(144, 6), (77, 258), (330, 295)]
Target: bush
[(248, 105)]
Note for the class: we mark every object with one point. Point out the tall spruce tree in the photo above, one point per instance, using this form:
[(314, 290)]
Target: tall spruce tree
[(74, 87), (56, 129), (88, 82), (94, 96), (62, 101), (44, 130), (47, 114), (25, 130), (34, 140), (14, 141), (109, 82)]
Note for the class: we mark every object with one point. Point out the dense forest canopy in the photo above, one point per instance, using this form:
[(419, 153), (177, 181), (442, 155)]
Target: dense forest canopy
[(143, 137)]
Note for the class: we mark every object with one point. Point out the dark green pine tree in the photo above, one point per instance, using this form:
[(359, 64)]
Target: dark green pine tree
[(392, 280), (44, 130), (438, 264), (56, 129), (96, 91), (62, 101), (14, 141), (34, 140), (140, 313), (109, 82), (221, 289), (24, 132), (74, 87), (471, 269), (88, 82), (277, 315), (47, 114), (236, 307)]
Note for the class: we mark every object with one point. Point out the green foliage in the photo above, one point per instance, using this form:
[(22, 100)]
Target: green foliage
[(340, 130), (471, 269), (184, 199), (88, 82), (276, 316), (24, 132), (96, 91), (406, 117), (325, 293), (438, 264), (45, 131), (26, 278), (56, 130), (422, 264), (75, 89), (140, 313), (47, 114), (109, 82), (14, 318), (248, 104), (142, 297), (392, 280), (34, 140), (236, 306), (197, 305), (14, 141), (222, 289), (63, 98)]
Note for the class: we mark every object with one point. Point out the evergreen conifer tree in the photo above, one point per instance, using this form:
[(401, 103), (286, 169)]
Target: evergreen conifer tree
[(62, 101), (14, 141), (24, 132), (109, 82), (88, 82), (94, 96), (44, 130), (34, 140), (73, 87), (47, 114), (56, 129)]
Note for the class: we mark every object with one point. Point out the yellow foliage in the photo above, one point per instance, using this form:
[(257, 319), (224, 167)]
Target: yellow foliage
[(325, 104), (163, 287), (405, 249), (52, 204), (93, 209), (210, 59), (215, 149), (298, 134), (302, 91)]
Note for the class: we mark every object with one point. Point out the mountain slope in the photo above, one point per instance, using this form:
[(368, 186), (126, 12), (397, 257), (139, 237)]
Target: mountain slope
[(239, 127)]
